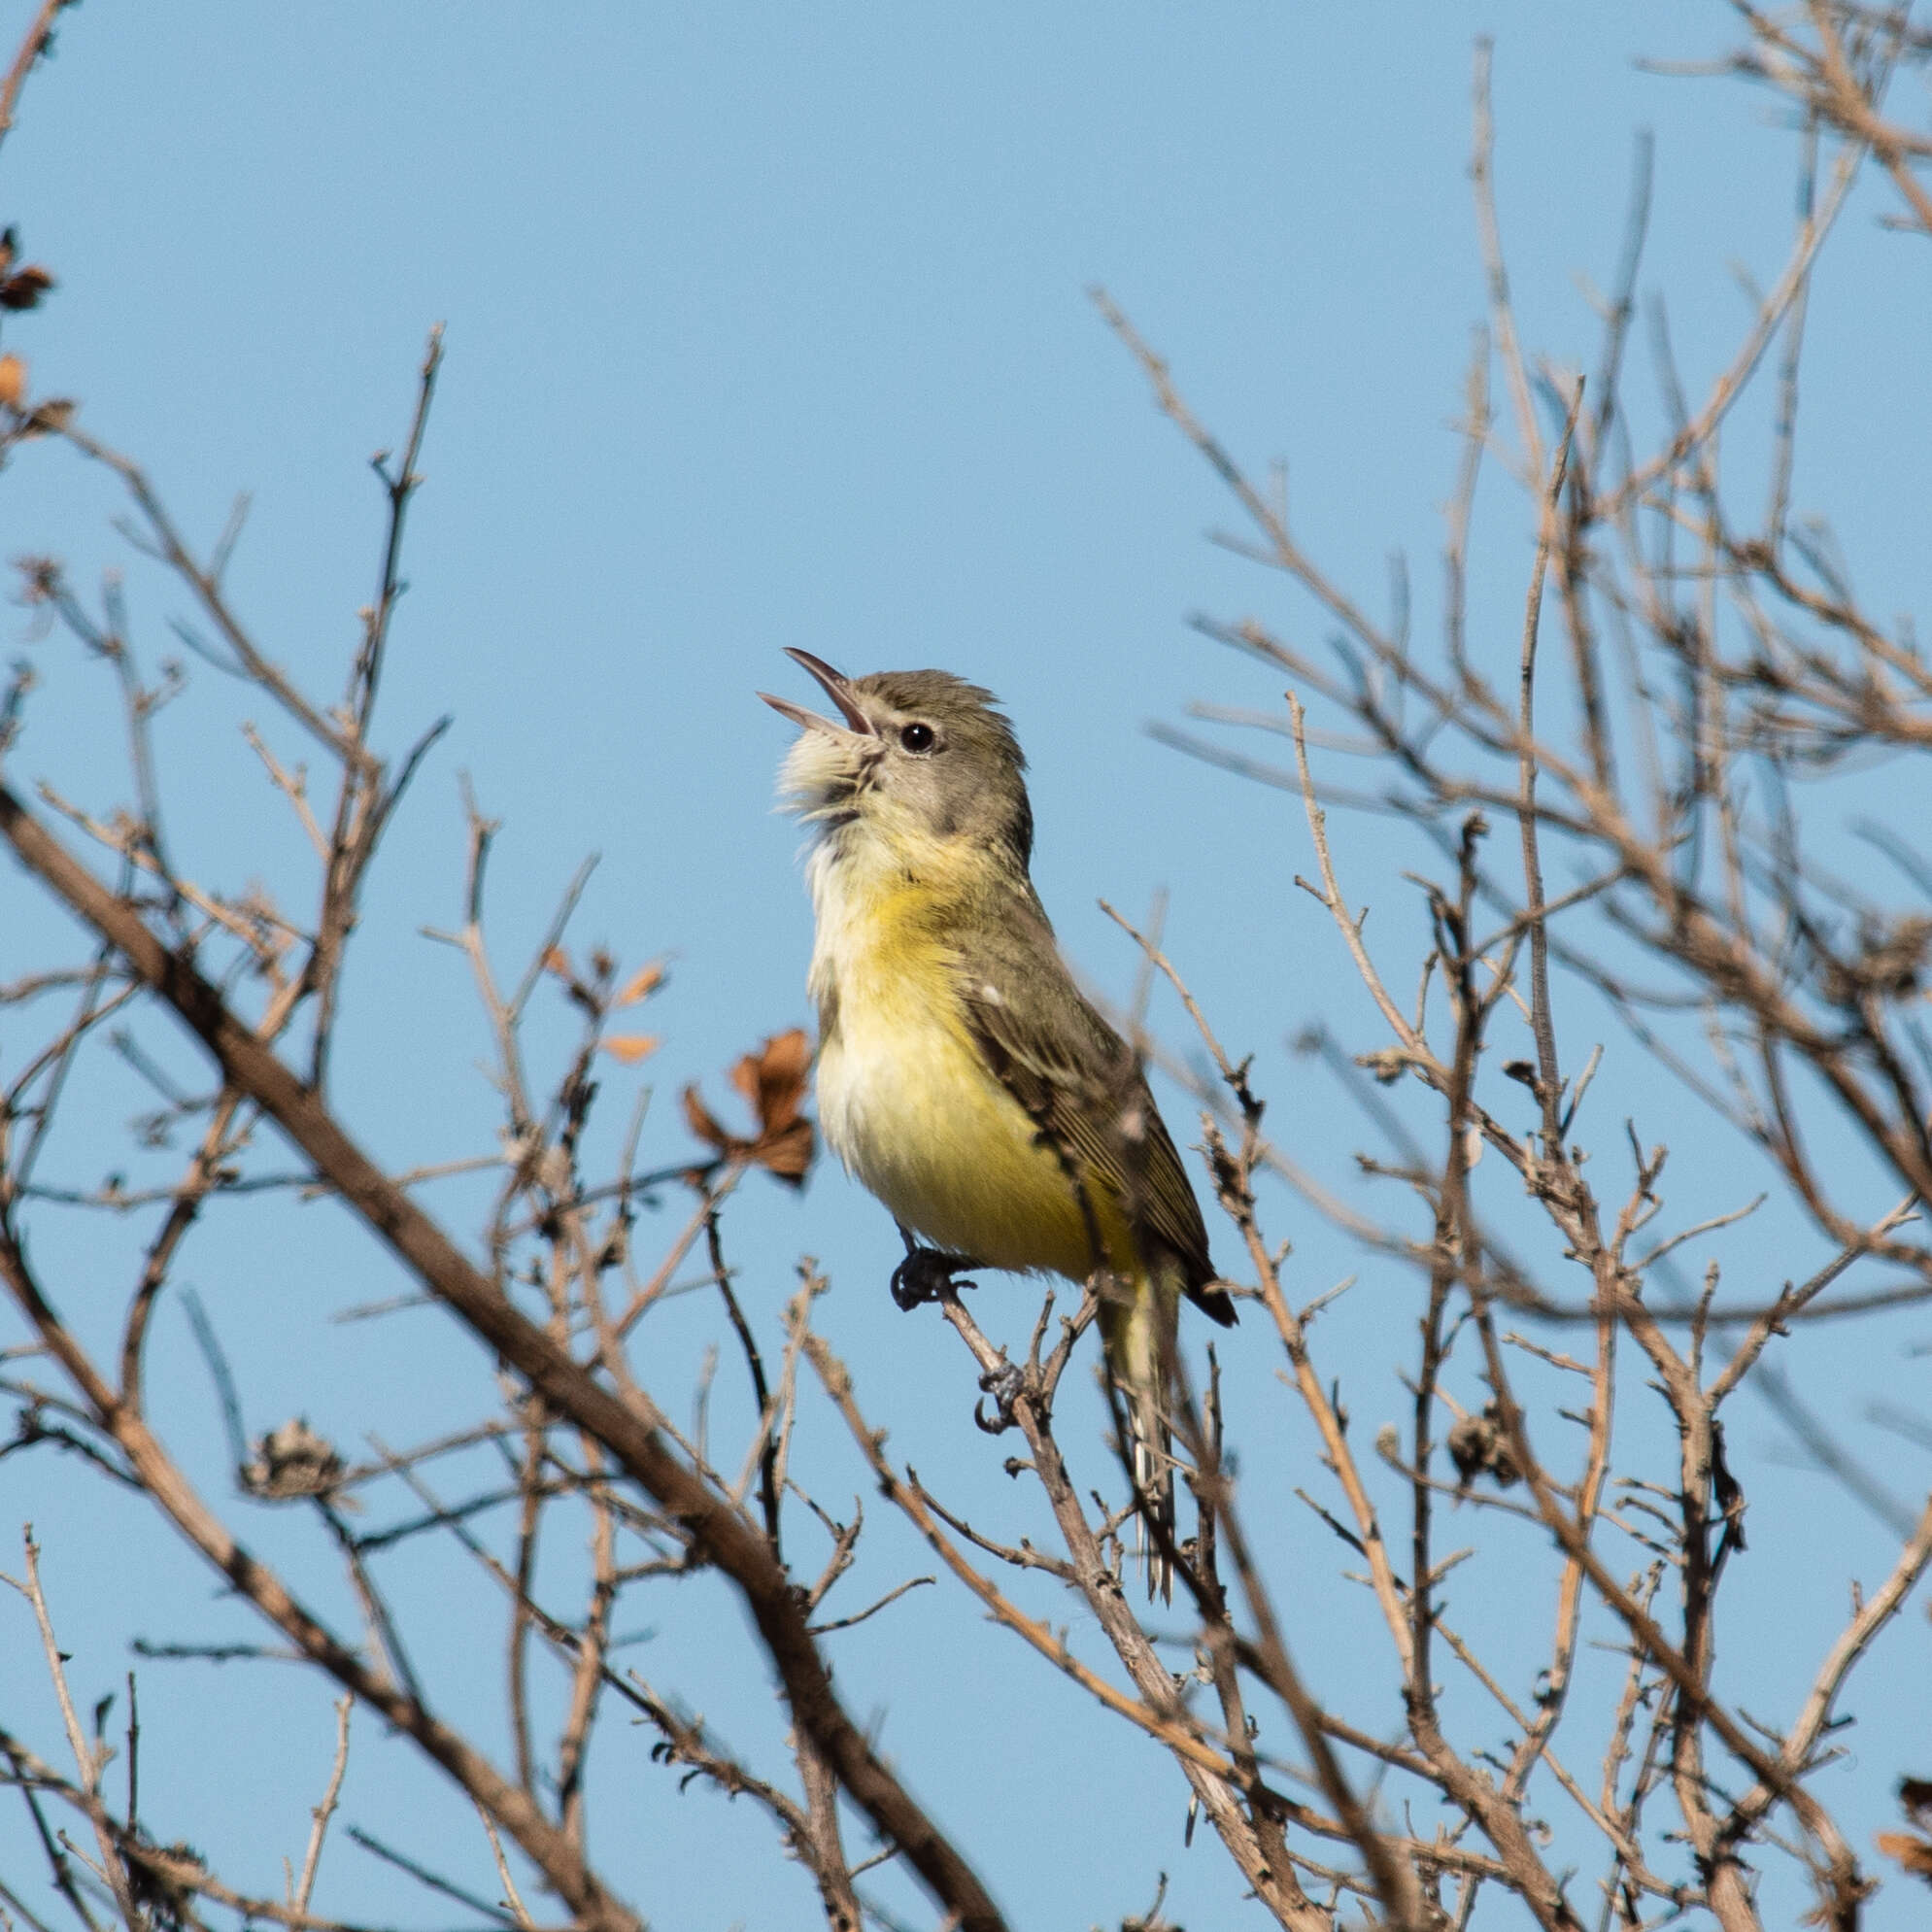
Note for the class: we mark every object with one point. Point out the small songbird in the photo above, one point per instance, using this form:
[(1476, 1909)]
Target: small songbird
[(962, 1076)]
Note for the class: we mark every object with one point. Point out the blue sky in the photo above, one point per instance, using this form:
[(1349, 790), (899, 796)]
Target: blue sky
[(770, 328)]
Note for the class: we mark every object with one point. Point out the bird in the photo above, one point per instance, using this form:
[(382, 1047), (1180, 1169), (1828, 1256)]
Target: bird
[(962, 1076)]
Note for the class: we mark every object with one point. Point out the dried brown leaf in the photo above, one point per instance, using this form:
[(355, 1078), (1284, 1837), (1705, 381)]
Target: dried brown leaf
[(703, 1123), (1907, 1850), (788, 1153), (12, 379), (51, 416), (23, 289), (642, 985), (630, 1048), (774, 1080)]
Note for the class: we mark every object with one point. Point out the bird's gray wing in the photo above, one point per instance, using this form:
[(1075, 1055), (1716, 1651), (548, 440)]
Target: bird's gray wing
[(1080, 1084)]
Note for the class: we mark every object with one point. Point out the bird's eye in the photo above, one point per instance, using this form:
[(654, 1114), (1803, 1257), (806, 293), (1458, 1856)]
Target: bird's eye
[(916, 738)]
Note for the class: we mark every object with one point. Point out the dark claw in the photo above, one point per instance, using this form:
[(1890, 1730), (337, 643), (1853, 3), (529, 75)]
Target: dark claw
[(925, 1275), (1004, 1385)]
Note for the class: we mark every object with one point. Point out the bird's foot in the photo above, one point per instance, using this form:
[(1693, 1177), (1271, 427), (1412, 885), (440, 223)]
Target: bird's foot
[(1004, 1385), (925, 1275)]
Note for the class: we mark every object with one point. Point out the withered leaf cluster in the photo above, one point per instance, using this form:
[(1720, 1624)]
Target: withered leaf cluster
[(20, 287), (1912, 1849), (774, 1080)]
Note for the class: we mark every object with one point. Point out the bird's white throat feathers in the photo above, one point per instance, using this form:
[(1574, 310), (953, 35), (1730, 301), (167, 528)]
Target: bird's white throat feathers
[(863, 891)]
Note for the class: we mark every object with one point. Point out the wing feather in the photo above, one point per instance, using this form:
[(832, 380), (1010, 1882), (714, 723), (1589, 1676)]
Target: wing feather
[(1080, 1082)]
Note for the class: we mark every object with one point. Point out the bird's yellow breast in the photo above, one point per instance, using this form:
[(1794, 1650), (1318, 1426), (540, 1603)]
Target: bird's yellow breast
[(905, 1099)]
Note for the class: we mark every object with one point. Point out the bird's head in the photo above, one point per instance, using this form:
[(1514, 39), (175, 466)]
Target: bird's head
[(918, 757)]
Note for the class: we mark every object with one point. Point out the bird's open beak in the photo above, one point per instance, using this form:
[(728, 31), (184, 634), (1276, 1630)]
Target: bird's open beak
[(836, 687)]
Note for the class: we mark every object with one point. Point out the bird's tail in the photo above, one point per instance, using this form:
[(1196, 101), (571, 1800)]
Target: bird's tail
[(1136, 1329)]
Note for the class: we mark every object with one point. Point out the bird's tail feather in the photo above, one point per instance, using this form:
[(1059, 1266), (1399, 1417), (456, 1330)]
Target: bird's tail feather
[(1134, 1329), (1154, 1478)]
